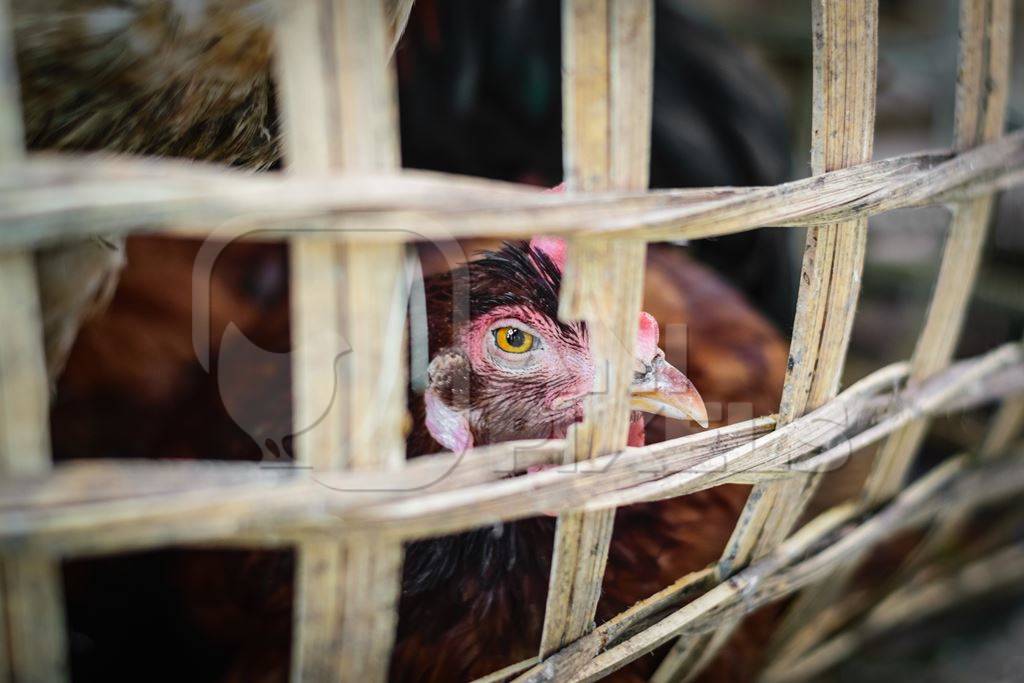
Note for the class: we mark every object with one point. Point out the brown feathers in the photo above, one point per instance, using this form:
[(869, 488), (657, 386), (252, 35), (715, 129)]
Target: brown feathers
[(180, 78), (472, 603)]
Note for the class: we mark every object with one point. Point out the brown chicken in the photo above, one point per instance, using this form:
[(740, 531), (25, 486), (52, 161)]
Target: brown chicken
[(483, 592), (471, 603)]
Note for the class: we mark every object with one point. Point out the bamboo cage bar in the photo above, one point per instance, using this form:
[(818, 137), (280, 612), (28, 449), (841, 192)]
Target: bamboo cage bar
[(58, 197), (981, 98), (845, 41), (607, 83), (155, 504), (941, 536), (983, 87), (1002, 572), (348, 212), (339, 112), (32, 630), (818, 547)]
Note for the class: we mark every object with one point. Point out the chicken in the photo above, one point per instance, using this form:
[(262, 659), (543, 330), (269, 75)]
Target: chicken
[(483, 592), (473, 602)]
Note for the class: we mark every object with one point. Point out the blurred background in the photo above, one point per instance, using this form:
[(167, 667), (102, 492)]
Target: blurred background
[(916, 81)]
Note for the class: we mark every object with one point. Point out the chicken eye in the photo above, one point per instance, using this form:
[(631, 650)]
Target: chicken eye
[(513, 340)]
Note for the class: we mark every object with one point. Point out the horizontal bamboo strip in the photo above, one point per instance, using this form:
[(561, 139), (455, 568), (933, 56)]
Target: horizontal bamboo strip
[(825, 543), (55, 197), (917, 600), (64, 512)]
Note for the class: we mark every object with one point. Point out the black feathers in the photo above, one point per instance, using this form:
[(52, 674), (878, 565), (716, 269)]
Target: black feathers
[(515, 275)]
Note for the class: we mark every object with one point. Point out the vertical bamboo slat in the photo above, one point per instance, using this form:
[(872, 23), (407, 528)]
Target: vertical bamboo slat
[(982, 94), (337, 96), (607, 82), (397, 14), (845, 36), (845, 63), (32, 630), (982, 91)]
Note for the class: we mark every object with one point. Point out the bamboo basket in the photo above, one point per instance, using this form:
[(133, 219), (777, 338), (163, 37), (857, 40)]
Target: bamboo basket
[(341, 150)]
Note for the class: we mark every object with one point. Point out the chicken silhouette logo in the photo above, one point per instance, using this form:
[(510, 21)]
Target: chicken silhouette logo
[(240, 360), (240, 363)]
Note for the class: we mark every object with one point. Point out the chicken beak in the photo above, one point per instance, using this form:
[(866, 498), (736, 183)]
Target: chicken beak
[(661, 389)]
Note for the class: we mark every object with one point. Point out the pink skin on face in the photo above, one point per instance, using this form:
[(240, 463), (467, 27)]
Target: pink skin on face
[(561, 365), (449, 427), (647, 336), (564, 368), (535, 394)]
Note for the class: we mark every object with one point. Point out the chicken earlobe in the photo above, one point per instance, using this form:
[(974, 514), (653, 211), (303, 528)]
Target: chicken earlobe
[(446, 401)]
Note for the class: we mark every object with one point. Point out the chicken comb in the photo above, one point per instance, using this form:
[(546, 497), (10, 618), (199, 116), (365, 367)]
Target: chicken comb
[(552, 247)]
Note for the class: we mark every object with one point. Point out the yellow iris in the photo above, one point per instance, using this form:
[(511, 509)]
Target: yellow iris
[(513, 340)]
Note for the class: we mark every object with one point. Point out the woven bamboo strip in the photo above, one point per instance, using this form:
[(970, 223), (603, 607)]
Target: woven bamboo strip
[(581, 541), (12, 135), (607, 86), (308, 78), (982, 90), (982, 93), (396, 15), (339, 109), (152, 505), (57, 197), (856, 605), (845, 38), (32, 634), (941, 538), (912, 602), (815, 550), (96, 484), (375, 328), (32, 589), (1006, 426), (845, 58)]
